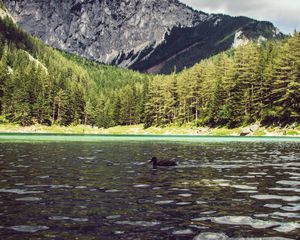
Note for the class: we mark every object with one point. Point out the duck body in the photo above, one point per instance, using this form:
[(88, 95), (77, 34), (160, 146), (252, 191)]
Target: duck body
[(163, 163)]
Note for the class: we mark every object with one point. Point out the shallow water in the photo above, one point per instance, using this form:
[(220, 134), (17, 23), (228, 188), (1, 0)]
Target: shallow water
[(223, 188)]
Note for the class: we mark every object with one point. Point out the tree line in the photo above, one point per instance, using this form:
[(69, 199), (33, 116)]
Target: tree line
[(254, 83)]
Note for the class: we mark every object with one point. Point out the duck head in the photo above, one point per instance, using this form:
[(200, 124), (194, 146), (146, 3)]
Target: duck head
[(153, 160)]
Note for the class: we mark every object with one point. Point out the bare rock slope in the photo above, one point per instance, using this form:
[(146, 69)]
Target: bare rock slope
[(147, 35)]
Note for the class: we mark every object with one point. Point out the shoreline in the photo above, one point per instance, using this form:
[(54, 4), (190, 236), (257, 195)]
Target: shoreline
[(139, 130)]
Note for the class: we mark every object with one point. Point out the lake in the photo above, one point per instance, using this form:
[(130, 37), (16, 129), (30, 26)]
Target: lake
[(101, 187)]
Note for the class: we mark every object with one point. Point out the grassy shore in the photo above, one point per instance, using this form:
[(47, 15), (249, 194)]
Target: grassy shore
[(138, 129)]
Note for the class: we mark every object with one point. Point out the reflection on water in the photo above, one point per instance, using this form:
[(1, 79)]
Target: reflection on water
[(106, 190)]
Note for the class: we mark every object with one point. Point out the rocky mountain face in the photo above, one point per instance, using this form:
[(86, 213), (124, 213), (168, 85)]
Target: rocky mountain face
[(147, 35)]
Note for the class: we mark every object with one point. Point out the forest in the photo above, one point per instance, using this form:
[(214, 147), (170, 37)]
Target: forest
[(41, 85), (253, 83)]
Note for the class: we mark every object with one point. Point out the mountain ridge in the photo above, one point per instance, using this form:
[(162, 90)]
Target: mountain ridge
[(141, 35)]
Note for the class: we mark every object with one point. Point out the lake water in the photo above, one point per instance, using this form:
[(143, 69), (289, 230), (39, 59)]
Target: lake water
[(101, 187)]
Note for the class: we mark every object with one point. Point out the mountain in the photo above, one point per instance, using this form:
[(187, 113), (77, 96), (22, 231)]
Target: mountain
[(147, 35), (39, 84), (252, 83)]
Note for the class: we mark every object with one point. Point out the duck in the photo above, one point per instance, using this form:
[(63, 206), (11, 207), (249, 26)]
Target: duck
[(163, 163)]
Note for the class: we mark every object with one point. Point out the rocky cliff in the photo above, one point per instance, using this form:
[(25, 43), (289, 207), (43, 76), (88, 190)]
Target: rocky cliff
[(147, 35)]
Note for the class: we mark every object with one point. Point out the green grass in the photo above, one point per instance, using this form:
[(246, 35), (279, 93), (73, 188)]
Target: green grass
[(140, 130), (260, 133), (292, 132), (81, 129), (225, 132)]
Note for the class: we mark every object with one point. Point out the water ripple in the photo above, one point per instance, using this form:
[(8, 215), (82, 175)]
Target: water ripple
[(28, 228)]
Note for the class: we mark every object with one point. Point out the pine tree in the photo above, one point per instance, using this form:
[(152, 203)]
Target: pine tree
[(60, 106), (4, 75), (270, 55), (287, 83), (42, 106), (153, 108), (195, 84), (218, 108)]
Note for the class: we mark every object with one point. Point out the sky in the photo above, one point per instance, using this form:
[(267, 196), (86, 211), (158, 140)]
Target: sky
[(284, 14)]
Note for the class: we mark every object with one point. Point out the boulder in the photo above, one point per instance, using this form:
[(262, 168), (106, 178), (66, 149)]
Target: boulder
[(245, 131), (254, 128), (249, 130)]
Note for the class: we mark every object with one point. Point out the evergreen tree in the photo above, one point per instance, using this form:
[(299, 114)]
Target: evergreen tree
[(4, 75), (287, 82)]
